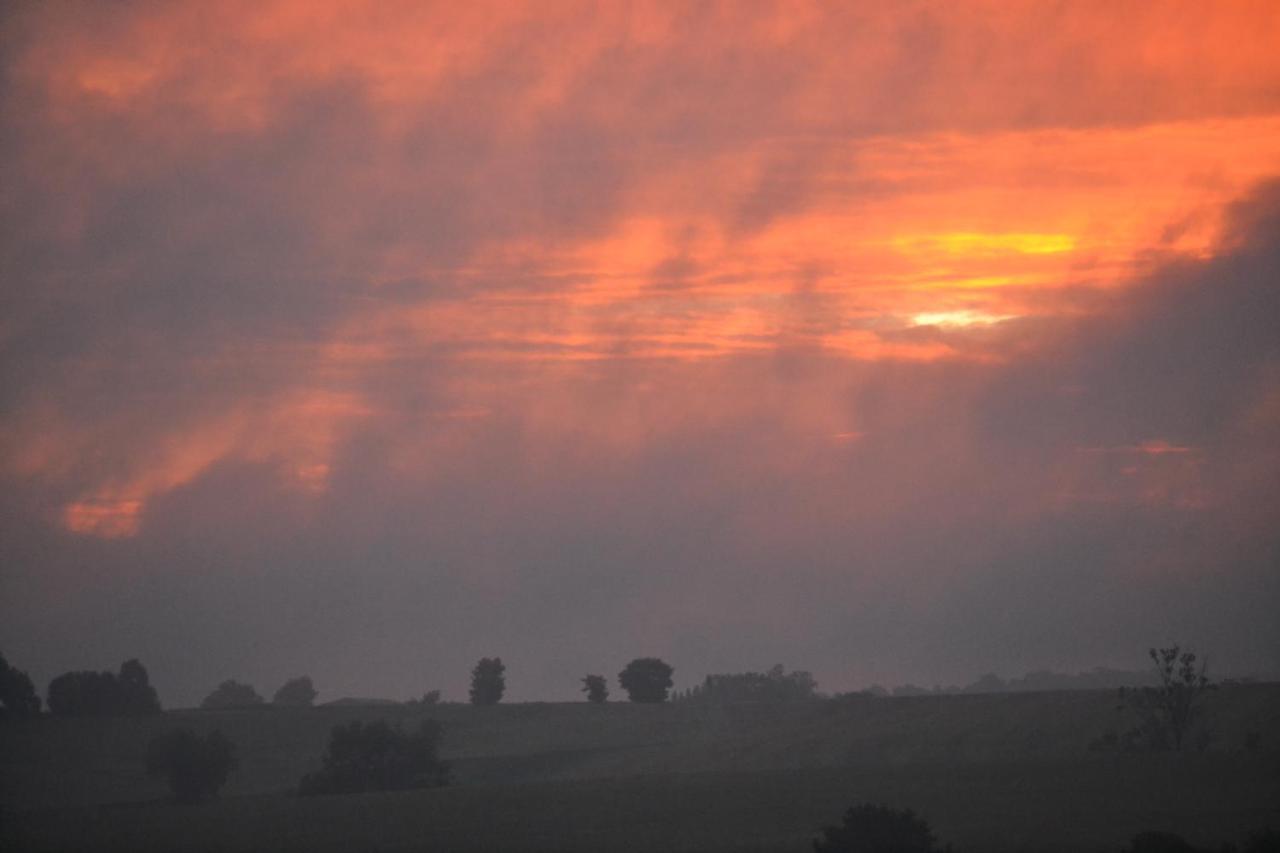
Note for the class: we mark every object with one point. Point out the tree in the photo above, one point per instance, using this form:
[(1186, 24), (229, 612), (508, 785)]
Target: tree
[(195, 767), (1167, 712), (231, 694), (296, 692), (104, 693), (596, 688), (488, 682), (137, 694), (377, 757), (17, 694), (646, 680), (877, 829)]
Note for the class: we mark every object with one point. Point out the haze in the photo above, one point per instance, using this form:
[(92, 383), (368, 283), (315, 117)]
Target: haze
[(894, 342)]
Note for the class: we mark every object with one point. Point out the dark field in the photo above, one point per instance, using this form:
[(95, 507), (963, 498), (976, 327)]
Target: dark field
[(991, 773)]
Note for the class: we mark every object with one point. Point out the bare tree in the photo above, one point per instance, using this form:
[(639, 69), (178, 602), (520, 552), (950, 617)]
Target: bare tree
[(1167, 712)]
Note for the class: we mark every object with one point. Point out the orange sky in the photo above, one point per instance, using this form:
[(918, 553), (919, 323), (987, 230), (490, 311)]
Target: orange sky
[(787, 178), (267, 233)]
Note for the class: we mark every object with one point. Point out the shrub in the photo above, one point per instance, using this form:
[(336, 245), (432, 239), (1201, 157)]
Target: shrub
[(377, 757), (877, 829), (194, 767)]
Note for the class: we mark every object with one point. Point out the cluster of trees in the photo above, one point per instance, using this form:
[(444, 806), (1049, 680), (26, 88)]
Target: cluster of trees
[(776, 685), (360, 757), (644, 680), (296, 692), (104, 693)]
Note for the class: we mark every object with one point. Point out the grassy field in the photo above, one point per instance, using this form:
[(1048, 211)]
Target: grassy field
[(994, 772)]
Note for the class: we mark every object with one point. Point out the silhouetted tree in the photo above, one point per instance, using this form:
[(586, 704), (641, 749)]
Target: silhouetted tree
[(17, 694), (138, 695), (1167, 712), (646, 680), (195, 767), (377, 757), (596, 688), (104, 693), (487, 682), (231, 694), (877, 829), (297, 692)]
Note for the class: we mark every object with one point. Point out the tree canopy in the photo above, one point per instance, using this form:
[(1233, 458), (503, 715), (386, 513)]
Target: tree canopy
[(104, 693), (646, 680), (231, 694), (488, 682), (596, 688), (297, 692), (17, 694)]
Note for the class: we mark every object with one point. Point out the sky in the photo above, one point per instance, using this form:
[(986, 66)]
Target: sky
[(894, 342)]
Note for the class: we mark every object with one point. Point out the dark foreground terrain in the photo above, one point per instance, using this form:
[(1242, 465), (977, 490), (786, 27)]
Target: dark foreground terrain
[(991, 773)]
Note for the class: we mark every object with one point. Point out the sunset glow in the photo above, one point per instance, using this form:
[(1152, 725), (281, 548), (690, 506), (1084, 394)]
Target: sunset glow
[(463, 278)]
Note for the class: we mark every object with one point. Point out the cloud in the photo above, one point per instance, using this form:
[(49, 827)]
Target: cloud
[(881, 342)]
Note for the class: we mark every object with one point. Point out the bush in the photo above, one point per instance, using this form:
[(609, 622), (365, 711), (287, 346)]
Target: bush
[(646, 680), (195, 767), (231, 694), (377, 757), (877, 829)]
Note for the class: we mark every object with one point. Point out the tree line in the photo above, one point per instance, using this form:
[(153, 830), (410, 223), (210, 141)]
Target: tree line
[(1166, 715)]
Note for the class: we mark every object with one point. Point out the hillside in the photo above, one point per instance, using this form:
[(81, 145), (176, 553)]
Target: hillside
[(790, 766)]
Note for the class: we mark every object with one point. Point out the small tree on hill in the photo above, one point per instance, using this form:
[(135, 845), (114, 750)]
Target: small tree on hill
[(231, 694), (17, 694), (646, 680), (596, 688), (488, 682), (296, 692), (195, 767), (377, 757), (1166, 713), (877, 829), (137, 694)]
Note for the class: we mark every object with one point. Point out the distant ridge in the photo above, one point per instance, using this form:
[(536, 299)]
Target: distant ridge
[(352, 701)]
